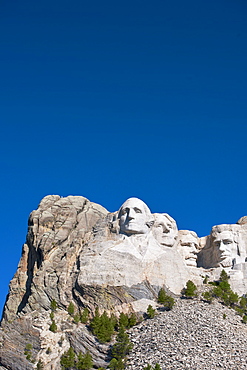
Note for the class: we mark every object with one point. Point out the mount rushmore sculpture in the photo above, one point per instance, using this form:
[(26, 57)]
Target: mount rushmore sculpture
[(76, 251)]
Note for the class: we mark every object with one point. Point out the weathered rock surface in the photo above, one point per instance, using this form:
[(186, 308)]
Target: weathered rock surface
[(76, 251)]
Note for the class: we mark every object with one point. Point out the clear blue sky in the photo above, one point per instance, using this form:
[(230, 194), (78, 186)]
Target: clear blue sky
[(110, 99)]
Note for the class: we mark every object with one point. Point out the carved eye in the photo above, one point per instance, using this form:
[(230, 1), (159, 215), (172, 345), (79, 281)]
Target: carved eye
[(124, 211), (137, 210), (227, 241)]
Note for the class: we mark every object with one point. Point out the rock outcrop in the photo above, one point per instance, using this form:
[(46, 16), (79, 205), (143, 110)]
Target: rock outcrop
[(76, 251)]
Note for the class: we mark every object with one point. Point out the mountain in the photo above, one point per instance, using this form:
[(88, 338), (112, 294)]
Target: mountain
[(79, 255)]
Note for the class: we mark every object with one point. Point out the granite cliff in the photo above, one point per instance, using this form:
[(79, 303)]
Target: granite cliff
[(76, 251)]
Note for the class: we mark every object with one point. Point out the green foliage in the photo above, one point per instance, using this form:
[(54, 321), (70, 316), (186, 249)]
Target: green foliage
[(48, 351), (244, 319), (205, 280), (27, 351), (77, 318), (190, 290), (243, 302), (165, 299), (71, 309), (224, 292), (223, 276), (40, 365), (208, 296), (102, 327), (123, 320), (52, 315), (116, 364), (224, 316), (123, 346), (53, 305), (68, 359), (84, 316), (239, 310), (132, 320), (53, 327), (150, 312), (149, 367), (157, 367), (84, 362)]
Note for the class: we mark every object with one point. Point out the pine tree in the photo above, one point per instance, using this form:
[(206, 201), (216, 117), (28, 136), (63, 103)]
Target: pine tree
[(84, 362), (84, 316), (68, 359), (123, 346), (71, 309), (223, 276), (53, 327), (157, 367), (132, 320), (165, 299), (116, 364), (150, 312), (123, 320), (190, 290), (53, 305)]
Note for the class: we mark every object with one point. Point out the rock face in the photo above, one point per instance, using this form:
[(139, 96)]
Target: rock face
[(76, 251)]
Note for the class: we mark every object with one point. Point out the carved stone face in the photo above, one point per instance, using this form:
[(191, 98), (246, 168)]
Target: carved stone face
[(165, 229), (188, 248), (225, 249), (134, 217)]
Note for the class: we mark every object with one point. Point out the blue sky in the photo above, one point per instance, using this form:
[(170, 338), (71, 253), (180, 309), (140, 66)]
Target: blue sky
[(116, 99)]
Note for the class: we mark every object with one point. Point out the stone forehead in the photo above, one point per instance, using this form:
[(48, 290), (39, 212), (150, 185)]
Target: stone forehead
[(158, 217), (135, 202)]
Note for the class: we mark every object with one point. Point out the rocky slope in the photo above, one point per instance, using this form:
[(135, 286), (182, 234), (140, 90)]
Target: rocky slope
[(193, 335)]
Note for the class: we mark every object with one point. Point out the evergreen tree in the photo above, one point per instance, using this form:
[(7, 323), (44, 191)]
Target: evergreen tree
[(53, 327), (208, 296), (165, 299), (123, 346), (102, 327), (53, 305), (132, 320), (157, 367), (148, 367), (84, 362), (223, 276), (190, 290), (150, 312), (77, 318), (116, 364), (123, 320), (71, 309), (68, 359), (84, 316)]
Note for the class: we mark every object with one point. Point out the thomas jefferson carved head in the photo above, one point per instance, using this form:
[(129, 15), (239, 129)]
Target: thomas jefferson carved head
[(134, 217), (165, 229)]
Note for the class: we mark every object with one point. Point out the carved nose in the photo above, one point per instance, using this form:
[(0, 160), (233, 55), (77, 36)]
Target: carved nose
[(221, 247), (131, 214)]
